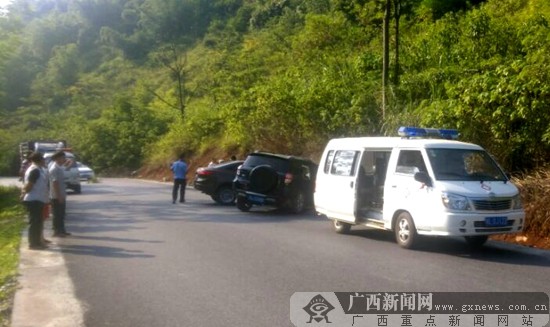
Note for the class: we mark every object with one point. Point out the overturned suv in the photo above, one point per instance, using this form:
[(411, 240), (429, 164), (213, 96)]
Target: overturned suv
[(276, 180)]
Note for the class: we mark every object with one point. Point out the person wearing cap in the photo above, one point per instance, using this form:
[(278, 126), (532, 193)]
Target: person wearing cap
[(58, 193), (35, 197)]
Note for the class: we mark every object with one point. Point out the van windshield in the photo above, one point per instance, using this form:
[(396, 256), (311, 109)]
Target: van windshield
[(464, 165)]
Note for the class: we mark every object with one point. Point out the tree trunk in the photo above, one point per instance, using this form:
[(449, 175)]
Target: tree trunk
[(386, 55), (397, 11)]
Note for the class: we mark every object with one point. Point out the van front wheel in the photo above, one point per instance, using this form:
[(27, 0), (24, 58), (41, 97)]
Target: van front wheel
[(341, 227), (405, 232)]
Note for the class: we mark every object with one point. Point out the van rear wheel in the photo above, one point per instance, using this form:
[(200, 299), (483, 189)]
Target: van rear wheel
[(405, 231), (341, 227)]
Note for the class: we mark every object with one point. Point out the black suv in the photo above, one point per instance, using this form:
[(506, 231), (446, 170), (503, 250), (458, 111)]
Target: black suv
[(217, 181), (273, 179)]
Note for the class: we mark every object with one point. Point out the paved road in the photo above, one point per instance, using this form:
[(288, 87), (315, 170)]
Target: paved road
[(136, 259)]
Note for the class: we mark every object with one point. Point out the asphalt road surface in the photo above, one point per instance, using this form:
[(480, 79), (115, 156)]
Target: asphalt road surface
[(136, 259)]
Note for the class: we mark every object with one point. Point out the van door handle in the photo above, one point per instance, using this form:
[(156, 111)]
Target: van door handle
[(394, 186), (351, 184)]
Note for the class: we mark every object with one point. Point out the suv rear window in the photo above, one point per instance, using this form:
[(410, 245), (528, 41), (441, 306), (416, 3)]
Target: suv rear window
[(279, 164)]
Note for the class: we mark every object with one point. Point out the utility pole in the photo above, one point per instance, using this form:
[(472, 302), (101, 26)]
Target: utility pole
[(397, 13), (386, 56)]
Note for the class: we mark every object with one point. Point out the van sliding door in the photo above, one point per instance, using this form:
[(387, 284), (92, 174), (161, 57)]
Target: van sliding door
[(370, 183), (342, 174)]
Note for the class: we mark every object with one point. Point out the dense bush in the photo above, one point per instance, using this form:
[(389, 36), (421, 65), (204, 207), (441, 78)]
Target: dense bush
[(535, 193)]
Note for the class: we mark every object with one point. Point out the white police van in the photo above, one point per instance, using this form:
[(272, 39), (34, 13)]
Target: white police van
[(416, 184)]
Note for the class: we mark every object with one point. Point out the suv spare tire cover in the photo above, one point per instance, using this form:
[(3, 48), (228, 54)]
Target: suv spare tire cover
[(263, 179)]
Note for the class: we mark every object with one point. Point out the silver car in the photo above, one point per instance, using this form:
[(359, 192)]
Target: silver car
[(72, 175), (86, 173)]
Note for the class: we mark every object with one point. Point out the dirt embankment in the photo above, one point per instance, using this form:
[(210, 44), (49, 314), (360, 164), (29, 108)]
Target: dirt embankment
[(535, 195)]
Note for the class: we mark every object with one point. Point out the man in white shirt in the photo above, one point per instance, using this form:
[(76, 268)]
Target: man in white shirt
[(35, 197), (58, 193)]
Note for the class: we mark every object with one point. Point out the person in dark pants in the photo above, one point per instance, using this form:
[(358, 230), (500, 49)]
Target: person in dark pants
[(179, 168), (35, 196), (58, 193)]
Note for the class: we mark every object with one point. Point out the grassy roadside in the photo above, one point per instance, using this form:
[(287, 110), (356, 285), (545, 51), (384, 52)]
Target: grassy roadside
[(12, 223)]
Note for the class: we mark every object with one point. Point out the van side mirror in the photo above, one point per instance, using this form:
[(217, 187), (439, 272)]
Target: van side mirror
[(423, 178)]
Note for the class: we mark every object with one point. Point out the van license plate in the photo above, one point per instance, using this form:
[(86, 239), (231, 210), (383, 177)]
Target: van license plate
[(256, 199), (496, 221)]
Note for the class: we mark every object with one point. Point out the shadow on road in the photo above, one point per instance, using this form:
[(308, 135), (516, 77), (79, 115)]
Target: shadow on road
[(492, 251), (257, 215), (113, 239), (103, 251), (131, 208)]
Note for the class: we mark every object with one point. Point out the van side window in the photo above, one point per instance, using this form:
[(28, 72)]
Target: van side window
[(344, 163), (410, 162), (328, 162)]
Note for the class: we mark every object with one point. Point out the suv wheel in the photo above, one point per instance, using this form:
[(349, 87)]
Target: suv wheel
[(298, 203), (224, 195), (405, 231), (243, 204), (263, 179)]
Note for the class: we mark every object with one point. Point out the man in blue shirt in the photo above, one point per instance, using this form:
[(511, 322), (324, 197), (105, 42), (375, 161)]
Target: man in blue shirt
[(180, 170)]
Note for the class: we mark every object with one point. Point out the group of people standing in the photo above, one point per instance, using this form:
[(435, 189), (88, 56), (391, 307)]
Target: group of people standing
[(42, 186)]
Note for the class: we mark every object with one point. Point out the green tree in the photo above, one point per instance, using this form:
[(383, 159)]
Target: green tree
[(51, 87), (118, 139), (441, 7), (174, 59)]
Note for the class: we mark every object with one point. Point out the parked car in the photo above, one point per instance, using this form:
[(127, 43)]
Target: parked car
[(217, 181), (277, 180), (86, 173)]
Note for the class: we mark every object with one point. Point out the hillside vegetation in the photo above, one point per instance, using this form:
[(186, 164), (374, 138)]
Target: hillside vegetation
[(130, 84), (133, 83)]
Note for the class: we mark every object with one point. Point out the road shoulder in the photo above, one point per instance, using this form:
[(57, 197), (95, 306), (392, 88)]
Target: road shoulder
[(45, 296)]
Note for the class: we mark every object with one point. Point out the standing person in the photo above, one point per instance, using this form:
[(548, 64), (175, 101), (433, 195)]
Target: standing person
[(46, 209), (35, 197), (24, 166), (179, 168), (58, 193)]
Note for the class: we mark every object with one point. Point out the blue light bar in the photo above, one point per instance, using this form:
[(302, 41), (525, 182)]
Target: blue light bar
[(409, 132)]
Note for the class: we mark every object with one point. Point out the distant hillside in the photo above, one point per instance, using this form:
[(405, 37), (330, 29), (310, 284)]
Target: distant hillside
[(133, 83)]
